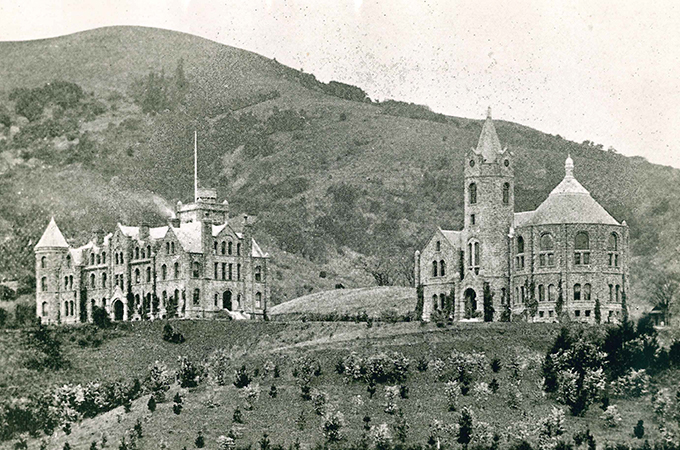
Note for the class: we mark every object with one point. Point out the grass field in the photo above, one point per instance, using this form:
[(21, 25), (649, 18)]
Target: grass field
[(372, 300), (129, 352)]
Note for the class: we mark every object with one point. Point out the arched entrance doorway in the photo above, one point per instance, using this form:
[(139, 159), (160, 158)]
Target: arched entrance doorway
[(117, 310), (226, 300), (470, 303)]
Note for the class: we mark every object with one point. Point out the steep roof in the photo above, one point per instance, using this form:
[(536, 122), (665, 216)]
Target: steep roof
[(52, 237), (257, 251), (570, 202), (189, 236), (522, 218), (488, 145), (454, 237)]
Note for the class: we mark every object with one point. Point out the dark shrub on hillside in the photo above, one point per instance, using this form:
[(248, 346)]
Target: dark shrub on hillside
[(151, 404), (188, 373), (496, 365), (100, 317), (242, 378), (674, 353), (3, 317), (7, 294), (639, 429), (172, 335), (24, 315), (44, 350)]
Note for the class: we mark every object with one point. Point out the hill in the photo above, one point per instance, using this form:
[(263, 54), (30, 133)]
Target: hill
[(338, 183), (374, 301)]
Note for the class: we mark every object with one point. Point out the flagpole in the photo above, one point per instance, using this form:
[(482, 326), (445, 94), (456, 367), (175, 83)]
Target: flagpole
[(195, 167)]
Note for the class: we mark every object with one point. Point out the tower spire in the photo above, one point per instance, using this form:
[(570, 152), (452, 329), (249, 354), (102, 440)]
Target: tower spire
[(195, 166)]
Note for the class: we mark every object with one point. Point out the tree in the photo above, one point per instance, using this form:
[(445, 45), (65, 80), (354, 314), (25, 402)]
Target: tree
[(533, 303), (379, 267), (100, 317), (450, 306), (559, 304), (488, 303), (598, 311), (465, 427), (663, 287)]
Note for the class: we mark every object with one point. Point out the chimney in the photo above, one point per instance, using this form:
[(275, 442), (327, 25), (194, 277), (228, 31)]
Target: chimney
[(173, 222), (144, 231)]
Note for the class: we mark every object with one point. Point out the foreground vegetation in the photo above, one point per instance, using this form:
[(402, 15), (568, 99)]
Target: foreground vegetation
[(338, 384)]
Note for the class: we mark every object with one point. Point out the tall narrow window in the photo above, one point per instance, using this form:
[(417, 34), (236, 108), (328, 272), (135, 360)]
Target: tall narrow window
[(44, 309), (439, 246), (577, 291), (93, 281), (68, 261), (148, 251), (103, 257), (224, 271), (70, 281), (546, 255), (224, 247), (472, 192), (99, 259), (613, 250), (137, 276), (231, 267), (176, 270), (136, 252), (104, 280), (230, 247), (519, 257), (473, 256), (258, 300), (506, 193), (238, 249), (551, 293), (43, 262), (434, 268), (148, 274), (581, 249), (435, 302), (618, 293), (117, 259), (214, 247), (92, 259), (167, 247), (217, 265), (172, 248), (238, 271), (442, 268), (197, 297), (65, 282), (541, 293), (164, 272), (586, 291), (258, 273), (196, 269)]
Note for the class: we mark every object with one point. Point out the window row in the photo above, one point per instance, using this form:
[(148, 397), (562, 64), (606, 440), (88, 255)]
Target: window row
[(472, 193), (441, 266), (580, 292), (546, 255), (169, 248), (227, 271), (226, 248), (119, 258), (97, 258), (141, 254), (68, 282)]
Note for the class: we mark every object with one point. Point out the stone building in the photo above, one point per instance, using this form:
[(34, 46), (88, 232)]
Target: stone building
[(198, 265), (569, 253)]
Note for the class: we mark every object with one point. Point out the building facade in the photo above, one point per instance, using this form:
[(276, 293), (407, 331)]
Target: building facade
[(198, 265), (569, 255)]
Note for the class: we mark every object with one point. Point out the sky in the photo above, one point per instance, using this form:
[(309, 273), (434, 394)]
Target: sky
[(604, 71)]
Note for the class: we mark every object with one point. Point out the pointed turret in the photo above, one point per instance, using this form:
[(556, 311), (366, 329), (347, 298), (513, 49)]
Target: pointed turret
[(489, 146), (52, 237)]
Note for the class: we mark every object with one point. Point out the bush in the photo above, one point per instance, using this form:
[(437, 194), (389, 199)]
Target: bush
[(188, 374), (177, 405), (151, 404), (319, 399), (611, 416), (172, 335), (217, 367), (159, 381), (496, 365), (273, 392), (639, 429), (44, 350), (452, 393), (632, 385), (200, 440), (100, 317), (332, 425), (250, 394), (241, 377)]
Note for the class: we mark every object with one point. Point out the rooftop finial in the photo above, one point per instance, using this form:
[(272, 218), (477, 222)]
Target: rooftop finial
[(488, 112), (569, 167)]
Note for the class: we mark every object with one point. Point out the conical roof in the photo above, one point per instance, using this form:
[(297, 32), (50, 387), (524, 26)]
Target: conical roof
[(489, 146), (52, 237), (570, 202)]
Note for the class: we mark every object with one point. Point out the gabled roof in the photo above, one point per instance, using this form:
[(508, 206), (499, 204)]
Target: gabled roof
[(454, 237), (52, 237), (158, 232), (189, 236), (570, 202), (522, 218), (488, 145)]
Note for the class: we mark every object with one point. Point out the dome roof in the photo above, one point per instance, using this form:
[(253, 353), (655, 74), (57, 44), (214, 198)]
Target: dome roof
[(570, 202)]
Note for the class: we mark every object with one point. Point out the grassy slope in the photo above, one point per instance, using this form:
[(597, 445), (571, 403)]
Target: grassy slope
[(408, 174), (253, 343), (373, 300)]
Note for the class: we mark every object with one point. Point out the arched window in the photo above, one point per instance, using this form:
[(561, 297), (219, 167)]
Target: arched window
[(581, 248), (148, 274), (43, 262), (136, 252), (176, 270), (164, 272), (435, 302), (148, 251), (99, 259), (70, 281), (224, 248), (611, 293), (93, 280), (164, 299), (472, 193), (541, 293), (442, 301), (238, 249), (613, 250), (43, 284), (238, 271), (68, 261), (121, 257), (143, 254), (231, 269), (117, 259), (618, 293), (434, 268), (72, 307), (506, 193), (44, 309), (439, 246), (172, 248), (231, 246), (551, 293), (258, 300), (197, 297), (104, 280), (586, 291), (519, 258), (258, 273), (136, 275), (577, 291), (224, 271), (196, 269), (546, 255), (217, 265), (65, 282), (103, 257), (217, 297), (167, 247), (92, 259), (442, 268)]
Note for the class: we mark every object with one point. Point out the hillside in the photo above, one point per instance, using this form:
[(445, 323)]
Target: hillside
[(374, 301), (336, 182)]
